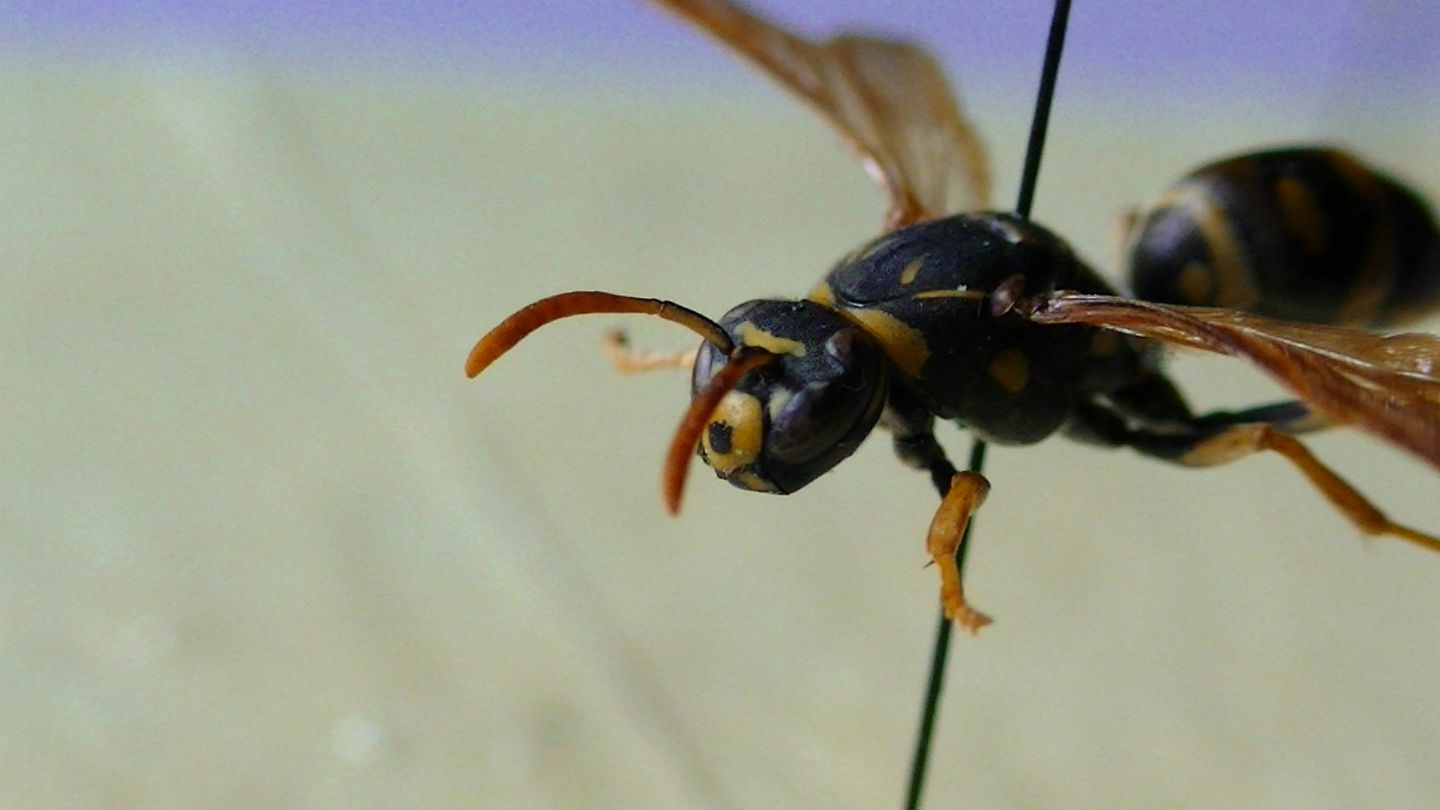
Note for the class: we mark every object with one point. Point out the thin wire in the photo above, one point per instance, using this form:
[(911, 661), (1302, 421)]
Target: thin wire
[(1041, 122), (920, 760)]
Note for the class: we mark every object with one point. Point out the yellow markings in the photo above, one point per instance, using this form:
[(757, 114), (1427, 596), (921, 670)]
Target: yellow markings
[(1011, 370), (1104, 344), (740, 414), (1222, 448), (973, 294), (779, 397), (1303, 217), (1236, 287), (907, 276), (752, 335), (1194, 283), (753, 482), (822, 294), (904, 345)]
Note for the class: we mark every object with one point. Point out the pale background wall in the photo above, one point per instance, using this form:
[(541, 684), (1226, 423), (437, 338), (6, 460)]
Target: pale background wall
[(261, 544)]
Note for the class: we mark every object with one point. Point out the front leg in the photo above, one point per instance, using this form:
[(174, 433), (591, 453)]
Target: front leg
[(947, 533), (912, 427)]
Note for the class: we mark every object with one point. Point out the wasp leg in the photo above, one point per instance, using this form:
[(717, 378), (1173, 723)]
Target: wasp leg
[(966, 493), (913, 429), (1242, 440), (1153, 400), (629, 360), (1218, 438), (1289, 417)]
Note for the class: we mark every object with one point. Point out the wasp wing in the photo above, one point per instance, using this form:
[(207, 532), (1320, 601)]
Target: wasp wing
[(889, 100), (1388, 385)]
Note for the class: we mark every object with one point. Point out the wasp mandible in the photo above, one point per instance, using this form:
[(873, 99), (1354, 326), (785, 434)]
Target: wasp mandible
[(991, 321)]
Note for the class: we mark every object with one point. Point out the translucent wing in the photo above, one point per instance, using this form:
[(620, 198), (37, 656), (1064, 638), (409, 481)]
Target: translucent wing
[(1388, 385), (890, 101)]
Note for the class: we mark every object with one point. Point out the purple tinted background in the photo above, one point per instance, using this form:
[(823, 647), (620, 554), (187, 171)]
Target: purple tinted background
[(1118, 43)]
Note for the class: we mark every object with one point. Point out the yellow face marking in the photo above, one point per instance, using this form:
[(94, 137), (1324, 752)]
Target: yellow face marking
[(1303, 217), (1235, 286), (1104, 344), (752, 335), (904, 345), (1011, 370), (907, 276), (1194, 283), (740, 414), (822, 294)]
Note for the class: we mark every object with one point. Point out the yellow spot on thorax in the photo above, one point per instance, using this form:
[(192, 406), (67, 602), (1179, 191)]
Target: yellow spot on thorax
[(971, 294), (903, 344), (907, 276), (752, 335), (1011, 370), (1303, 217), (741, 413)]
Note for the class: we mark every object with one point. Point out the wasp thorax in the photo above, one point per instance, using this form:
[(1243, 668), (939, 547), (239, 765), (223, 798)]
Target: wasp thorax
[(789, 421)]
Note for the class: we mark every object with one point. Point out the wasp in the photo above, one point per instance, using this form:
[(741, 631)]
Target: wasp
[(992, 321)]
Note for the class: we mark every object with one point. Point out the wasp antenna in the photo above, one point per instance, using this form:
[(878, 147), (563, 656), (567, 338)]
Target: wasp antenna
[(513, 329), (677, 460)]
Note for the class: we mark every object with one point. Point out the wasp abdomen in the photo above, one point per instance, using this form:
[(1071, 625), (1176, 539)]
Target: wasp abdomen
[(1303, 234)]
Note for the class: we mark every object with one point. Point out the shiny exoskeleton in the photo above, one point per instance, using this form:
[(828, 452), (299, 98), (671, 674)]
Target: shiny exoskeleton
[(904, 330), (1302, 234), (905, 321)]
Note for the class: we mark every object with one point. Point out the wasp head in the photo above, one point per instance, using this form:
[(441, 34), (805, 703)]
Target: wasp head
[(791, 419)]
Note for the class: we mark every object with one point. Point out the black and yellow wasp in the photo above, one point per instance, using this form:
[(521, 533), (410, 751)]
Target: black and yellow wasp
[(992, 321)]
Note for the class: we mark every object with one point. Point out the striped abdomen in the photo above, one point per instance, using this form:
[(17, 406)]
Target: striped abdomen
[(1302, 234)]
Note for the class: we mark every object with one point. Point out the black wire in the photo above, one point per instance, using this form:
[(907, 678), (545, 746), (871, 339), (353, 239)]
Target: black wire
[(1040, 123), (920, 761), (940, 653)]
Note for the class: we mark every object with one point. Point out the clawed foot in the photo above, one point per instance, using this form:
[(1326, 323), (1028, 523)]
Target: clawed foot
[(947, 531)]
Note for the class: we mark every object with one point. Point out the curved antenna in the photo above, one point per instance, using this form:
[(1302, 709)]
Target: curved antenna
[(513, 329), (677, 459)]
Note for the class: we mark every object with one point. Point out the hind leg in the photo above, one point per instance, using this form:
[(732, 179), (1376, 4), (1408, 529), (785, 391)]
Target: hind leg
[(1221, 438)]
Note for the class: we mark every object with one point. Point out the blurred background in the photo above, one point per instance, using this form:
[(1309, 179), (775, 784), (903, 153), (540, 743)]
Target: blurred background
[(263, 545)]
